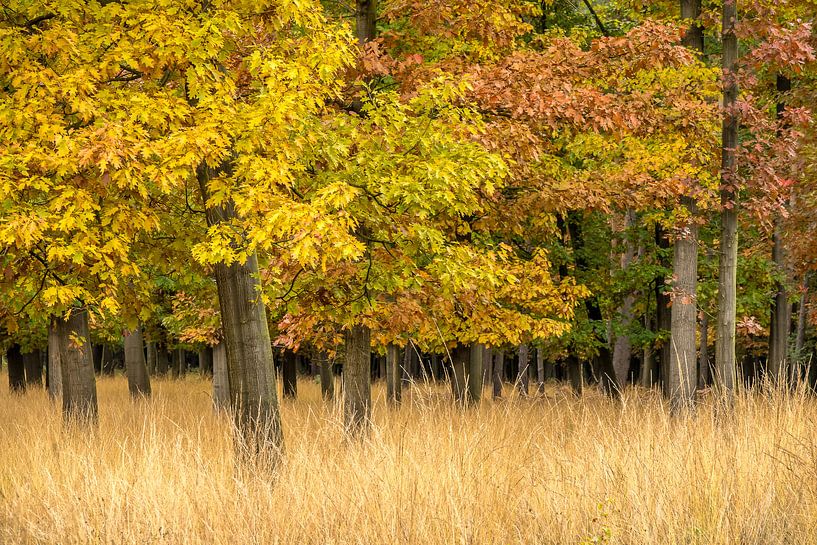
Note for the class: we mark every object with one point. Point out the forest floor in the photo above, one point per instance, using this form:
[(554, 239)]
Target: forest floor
[(548, 469)]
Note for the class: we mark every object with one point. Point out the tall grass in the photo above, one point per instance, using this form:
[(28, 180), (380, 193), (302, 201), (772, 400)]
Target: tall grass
[(549, 469)]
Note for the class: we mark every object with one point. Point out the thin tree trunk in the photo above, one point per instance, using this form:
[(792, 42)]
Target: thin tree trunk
[(135, 364), (475, 373), (17, 369), (206, 360), (487, 364), (179, 363), (540, 371), (524, 370), (162, 361), (622, 348), (436, 372), (460, 357), (663, 315), (704, 365), (393, 382), (76, 360), (54, 367), (221, 378), (289, 374), (497, 373), (33, 363), (725, 363), (357, 396), (802, 315), (326, 377), (253, 389)]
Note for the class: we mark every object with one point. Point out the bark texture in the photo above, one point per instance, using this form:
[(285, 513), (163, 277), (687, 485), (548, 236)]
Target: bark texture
[(327, 377), (497, 373), (623, 348), (475, 373), (524, 370), (54, 366), (725, 362), (136, 365), (79, 402), (221, 379), (393, 383), (357, 396), (460, 357)]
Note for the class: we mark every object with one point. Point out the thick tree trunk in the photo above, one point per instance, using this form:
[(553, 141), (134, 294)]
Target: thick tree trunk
[(476, 373), (251, 372), (497, 373), (365, 19), (76, 359), (206, 360), (17, 369), (33, 363), (460, 357), (357, 396), (135, 364), (289, 374), (152, 358), (725, 363), (54, 366), (524, 370), (221, 378), (393, 383), (327, 377)]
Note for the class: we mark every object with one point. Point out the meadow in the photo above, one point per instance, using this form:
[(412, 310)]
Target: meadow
[(549, 469)]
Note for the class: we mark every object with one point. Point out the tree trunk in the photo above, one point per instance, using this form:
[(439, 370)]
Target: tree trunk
[(622, 348), (108, 360), (393, 382), (725, 363), (663, 316), (152, 358), (76, 360), (540, 371), (206, 360), (135, 364), (802, 315), (33, 363), (524, 370), (497, 373), (253, 389), (17, 369), (162, 361), (460, 357), (436, 372), (221, 378), (365, 19), (289, 374), (357, 396), (475, 373), (179, 363), (575, 374), (54, 367), (327, 378), (704, 366)]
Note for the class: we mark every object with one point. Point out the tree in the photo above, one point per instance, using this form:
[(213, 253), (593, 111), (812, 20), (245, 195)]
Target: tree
[(136, 365)]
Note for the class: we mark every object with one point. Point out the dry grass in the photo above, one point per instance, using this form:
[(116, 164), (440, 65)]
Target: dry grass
[(545, 470)]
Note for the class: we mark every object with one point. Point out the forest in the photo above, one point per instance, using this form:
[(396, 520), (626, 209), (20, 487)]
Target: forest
[(361, 271)]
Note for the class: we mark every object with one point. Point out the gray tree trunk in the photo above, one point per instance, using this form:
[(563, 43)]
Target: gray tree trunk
[(475, 373), (76, 360), (17, 369), (33, 363), (135, 364), (540, 371), (221, 378), (393, 382), (575, 374), (365, 19), (179, 363), (704, 365), (622, 348), (152, 358), (725, 362), (524, 370), (357, 395), (253, 389), (54, 367), (497, 373)]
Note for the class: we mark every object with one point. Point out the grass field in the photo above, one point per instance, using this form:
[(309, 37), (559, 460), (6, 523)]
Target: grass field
[(549, 469)]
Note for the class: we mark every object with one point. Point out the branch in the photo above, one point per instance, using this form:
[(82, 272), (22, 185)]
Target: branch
[(596, 17)]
